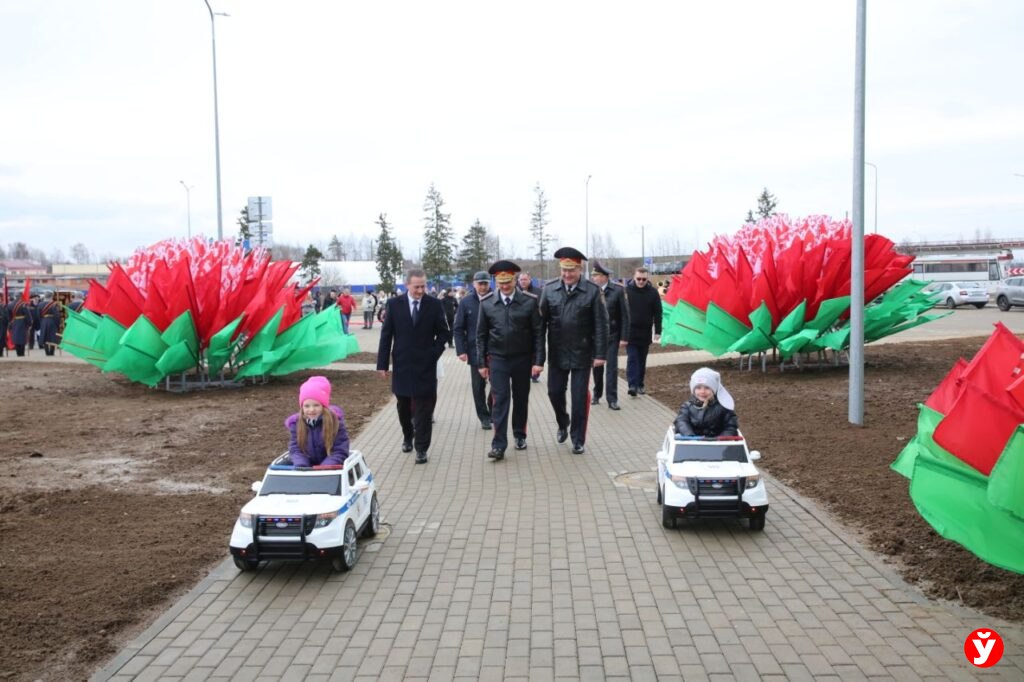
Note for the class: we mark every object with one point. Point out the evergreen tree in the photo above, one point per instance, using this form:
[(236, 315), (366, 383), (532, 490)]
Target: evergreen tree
[(766, 204), (750, 217), (438, 246), (310, 267), (244, 232), (335, 250), (538, 228), (389, 257), (474, 255)]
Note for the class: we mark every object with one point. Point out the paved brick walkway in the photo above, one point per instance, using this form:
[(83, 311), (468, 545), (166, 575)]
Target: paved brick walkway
[(542, 567)]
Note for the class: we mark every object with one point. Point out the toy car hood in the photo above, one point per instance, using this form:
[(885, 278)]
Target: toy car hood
[(692, 469), (292, 505)]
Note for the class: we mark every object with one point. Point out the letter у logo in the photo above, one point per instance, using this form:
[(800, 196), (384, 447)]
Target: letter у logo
[(983, 648)]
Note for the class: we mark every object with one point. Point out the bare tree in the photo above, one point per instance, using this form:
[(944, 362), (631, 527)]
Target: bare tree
[(80, 254)]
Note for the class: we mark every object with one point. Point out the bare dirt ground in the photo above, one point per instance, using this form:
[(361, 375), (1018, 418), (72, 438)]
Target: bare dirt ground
[(115, 499), (799, 421)]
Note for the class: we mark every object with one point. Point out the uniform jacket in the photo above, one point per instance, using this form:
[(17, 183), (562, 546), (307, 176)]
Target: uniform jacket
[(644, 311), (413, 349), (576, 324), (510, 331), (21, 322), (464, 329), (713, 420), (618, 311), (316, 450), (49, 321)]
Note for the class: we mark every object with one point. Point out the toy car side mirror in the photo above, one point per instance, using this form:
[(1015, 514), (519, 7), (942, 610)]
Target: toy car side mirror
[(362, 486), (256, 485), (755, 455)]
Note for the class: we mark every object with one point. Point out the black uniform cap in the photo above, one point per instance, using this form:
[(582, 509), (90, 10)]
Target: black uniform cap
[(504, 266), (599, 269), (570, 253)]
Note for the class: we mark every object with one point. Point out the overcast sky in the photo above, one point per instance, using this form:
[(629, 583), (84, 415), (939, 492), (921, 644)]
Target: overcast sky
[(681, 111)]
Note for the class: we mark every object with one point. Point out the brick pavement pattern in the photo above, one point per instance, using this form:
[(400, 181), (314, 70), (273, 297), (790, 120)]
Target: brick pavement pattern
[(543, 567)]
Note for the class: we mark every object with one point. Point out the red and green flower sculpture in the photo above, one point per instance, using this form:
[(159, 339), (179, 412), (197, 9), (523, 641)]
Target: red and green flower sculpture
[(208, 309), (966, 463), (785, 285)]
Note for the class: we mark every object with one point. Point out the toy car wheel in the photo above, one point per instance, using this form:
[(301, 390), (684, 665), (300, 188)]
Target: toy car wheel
[(668, 516), (757, 522), (349, 552), (245, 564), (659, 495), (372, 523)]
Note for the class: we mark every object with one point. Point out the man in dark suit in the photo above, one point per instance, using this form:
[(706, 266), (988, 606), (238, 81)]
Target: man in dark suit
[(414, 336), (510, 340), (644, 312), (618, 320), (576, 319), (464, 329)]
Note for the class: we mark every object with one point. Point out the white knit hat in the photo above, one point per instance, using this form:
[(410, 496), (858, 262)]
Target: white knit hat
[(713, 380)]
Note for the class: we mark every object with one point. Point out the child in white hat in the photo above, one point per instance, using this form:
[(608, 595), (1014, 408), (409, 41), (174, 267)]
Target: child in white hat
[(709, 411)]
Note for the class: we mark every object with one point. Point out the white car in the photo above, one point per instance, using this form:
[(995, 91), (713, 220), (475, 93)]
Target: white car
[(709, 478), (307, 513), (953, 294)]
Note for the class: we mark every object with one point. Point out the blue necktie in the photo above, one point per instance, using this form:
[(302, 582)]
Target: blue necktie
[(415, 311)]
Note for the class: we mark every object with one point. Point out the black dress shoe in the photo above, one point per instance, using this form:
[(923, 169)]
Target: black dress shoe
[(596, 400), (562, 435), (632, 391), (642, 390), (520, 443), (421, 457), (614, 406), (577, 449), (496, 454), (406, 446), (486, 426)]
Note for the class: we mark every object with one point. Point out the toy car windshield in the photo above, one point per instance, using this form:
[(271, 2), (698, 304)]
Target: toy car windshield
[(301, 485), (709, 451)]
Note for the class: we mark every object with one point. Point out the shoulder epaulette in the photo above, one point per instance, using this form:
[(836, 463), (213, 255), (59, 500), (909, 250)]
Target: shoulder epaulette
[(487, 295), (527, 293)]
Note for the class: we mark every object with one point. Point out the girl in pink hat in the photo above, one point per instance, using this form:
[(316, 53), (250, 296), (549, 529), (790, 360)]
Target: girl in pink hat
[(318, 434)]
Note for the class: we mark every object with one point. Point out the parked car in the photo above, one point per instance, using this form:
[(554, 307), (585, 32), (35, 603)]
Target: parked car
[(953, 294), (307, 513), (709, 478), (1010, 292)]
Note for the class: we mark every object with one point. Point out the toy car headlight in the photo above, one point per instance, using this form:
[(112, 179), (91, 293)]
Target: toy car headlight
[(752, 481), (246, 519), (323, 520), (681, 482)]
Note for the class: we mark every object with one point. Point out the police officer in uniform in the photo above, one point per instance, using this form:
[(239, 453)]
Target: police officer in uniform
[(618, 319), (464, 331), (49, 325), (510, 341), (576, 320)]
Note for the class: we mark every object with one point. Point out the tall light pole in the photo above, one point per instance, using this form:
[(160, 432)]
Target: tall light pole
[(868, 163), (188, 205), (586, 217), (856, 398), (216, 118)]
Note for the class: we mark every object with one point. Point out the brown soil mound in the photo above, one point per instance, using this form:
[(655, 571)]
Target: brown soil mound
[(799, 420), (115, 499)]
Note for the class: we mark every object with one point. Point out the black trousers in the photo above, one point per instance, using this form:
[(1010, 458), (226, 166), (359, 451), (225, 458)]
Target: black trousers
[(611, 371), (481, 399), (579, 378), (636, 363), (416, 416), (510, 384)]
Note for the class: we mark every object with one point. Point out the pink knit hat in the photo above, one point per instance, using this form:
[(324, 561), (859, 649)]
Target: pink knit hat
[(316, 388)]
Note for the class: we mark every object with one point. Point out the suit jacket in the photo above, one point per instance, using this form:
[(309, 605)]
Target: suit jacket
[(413, 349)]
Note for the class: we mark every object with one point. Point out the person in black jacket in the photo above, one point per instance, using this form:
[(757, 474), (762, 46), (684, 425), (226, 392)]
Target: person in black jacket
[(710, 410), (618, 322), (450, 305), (464, 331), (414, 336), (644, 311), (576, 320), (510, 342)]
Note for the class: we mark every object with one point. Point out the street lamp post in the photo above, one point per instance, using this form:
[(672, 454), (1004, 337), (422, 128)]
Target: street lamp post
[(188, 205), (868, 163), (586, 217), (216, 118)]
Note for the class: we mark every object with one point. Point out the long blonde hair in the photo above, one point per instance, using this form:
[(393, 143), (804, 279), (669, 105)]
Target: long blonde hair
[(330, 431)]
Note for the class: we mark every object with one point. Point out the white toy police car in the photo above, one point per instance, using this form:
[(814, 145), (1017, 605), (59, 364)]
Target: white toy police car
[(709, 478), (304, 513)]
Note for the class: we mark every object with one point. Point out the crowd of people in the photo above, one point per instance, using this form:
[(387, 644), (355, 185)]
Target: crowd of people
[(34, 321), (572, 326)]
